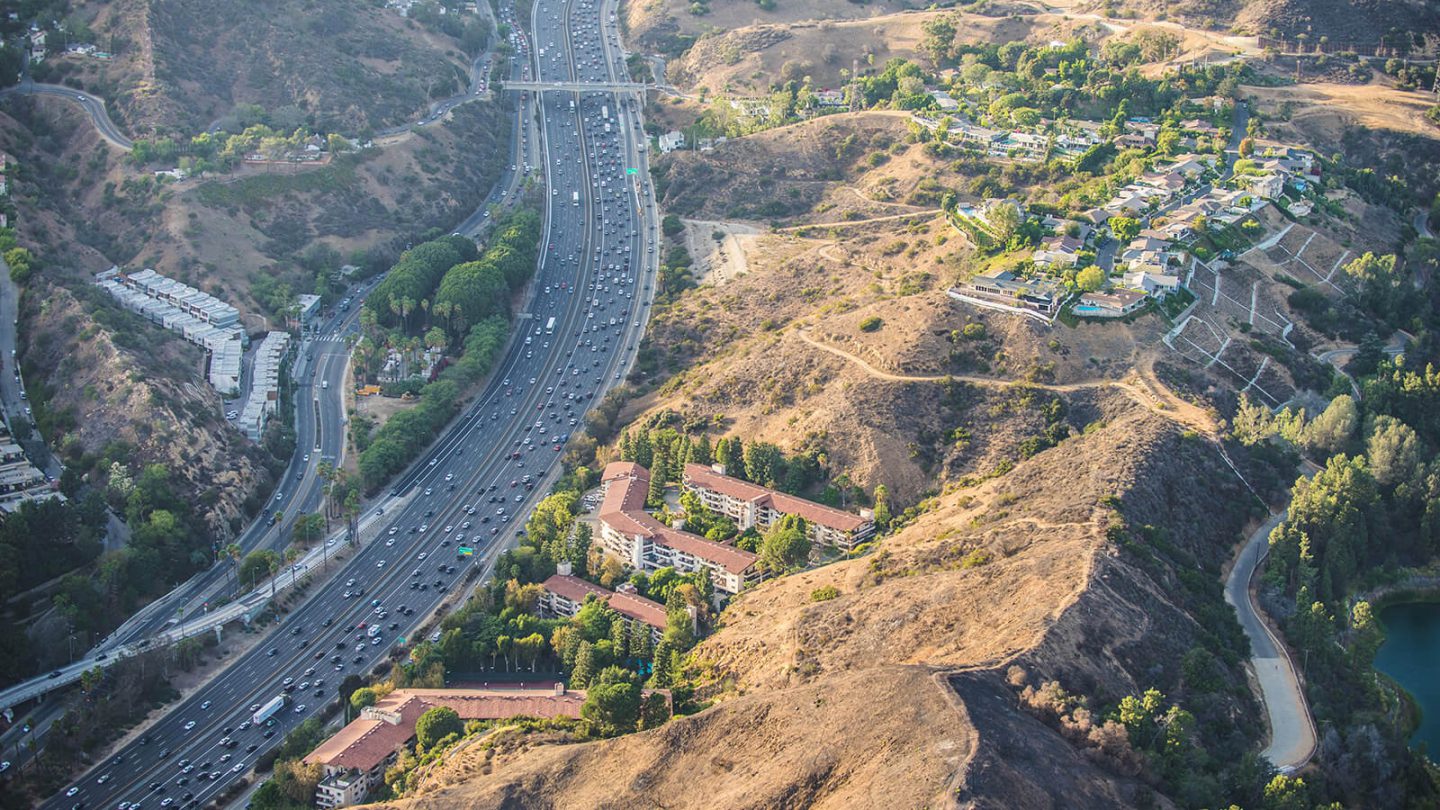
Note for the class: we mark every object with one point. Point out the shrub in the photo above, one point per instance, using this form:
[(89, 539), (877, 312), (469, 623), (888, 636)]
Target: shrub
[(871, 324), (824, 594)]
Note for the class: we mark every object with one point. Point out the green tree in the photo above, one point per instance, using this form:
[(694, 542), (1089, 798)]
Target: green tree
[(612, 702), (1090, 279), (882, 507), (584, 669), (1125, 229), (785, 547), (1332, 431), (435, 725), (361, 698), (1286, 793)]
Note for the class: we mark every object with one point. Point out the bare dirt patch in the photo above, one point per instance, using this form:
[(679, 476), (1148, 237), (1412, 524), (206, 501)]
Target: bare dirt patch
[(719, 260)]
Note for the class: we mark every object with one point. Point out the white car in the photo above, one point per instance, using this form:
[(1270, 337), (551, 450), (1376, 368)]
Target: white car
[(190, 725), (380, 564)]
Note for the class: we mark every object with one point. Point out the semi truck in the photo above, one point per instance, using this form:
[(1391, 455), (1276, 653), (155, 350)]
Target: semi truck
[(269, 710)]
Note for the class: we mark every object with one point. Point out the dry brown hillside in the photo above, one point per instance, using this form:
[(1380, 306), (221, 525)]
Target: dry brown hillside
[(895, 693), (183, 64)]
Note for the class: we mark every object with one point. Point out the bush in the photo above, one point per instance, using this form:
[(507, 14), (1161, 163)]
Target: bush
[(974, 331), (871, 324), (824, 594)]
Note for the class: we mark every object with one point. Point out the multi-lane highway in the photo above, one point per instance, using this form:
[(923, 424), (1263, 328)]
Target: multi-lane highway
[(595, 277)]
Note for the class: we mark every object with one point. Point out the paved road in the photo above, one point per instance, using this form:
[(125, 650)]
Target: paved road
[(12, 387), (597, 266), (94, 107), (1292, 730)]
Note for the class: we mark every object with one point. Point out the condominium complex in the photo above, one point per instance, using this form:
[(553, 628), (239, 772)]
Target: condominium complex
[(753, 505), (20, 481), (355, 759), (644, 543), (199, 317), (565, 595), (264, 384)]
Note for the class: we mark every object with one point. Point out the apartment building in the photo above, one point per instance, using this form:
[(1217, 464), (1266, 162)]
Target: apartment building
[(264, 396), (355, 759), (753, 505), (645, 544), (565, 595)]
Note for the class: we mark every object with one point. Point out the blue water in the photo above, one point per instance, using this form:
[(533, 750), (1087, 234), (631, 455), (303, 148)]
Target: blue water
[(1411, 655)]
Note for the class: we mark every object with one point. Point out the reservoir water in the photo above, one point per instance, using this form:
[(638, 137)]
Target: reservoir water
[(1411, 655)]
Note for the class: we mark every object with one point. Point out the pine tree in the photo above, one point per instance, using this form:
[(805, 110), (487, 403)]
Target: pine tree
[(640, 649), (641, 450), (619, 636), (627, 447), (662, 676), (734, 458), (700, 451), (584, 668)]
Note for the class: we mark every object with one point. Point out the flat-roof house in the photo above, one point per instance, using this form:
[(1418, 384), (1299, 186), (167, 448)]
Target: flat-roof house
[(753, 505), (1004, 287), (646, 544)]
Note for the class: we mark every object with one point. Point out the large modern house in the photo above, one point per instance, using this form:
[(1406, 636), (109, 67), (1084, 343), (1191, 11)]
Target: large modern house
[(644, 543), (753, 505)]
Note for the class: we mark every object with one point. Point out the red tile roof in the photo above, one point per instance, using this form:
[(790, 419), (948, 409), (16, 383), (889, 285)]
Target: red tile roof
[(837, 519), (633, 605), (366, 742), (574, 588), (624, 510), (640, 609)]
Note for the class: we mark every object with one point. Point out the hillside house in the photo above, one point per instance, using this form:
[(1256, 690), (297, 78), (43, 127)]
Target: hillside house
[(1113, 304), (1152, 280), (1005, 288), (1268, 186), (1058, 251), (671, 141)]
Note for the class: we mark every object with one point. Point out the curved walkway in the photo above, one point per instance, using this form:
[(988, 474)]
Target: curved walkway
[(93, 106)]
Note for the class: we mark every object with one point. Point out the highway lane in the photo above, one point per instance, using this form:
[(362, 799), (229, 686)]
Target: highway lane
[(547, 377)]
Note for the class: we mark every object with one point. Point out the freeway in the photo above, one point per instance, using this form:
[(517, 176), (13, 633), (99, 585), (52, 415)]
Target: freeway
[(595, 275), (94, 107), (319, 430)]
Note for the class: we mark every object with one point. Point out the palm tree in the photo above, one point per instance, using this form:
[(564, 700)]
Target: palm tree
[(326, 471), (291, 555), (233, 551), (352, 516), (272, 562)]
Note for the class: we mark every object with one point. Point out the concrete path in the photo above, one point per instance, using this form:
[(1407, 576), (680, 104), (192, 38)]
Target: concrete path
[(1292, 730)]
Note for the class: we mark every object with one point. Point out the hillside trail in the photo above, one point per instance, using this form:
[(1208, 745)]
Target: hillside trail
[(1140, 385), (845, 222)]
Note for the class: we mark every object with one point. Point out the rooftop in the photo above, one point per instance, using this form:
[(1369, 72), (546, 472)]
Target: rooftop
[(812, 512)]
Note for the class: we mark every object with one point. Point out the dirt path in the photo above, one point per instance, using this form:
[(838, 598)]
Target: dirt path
[(924, 212), (1141, 386)]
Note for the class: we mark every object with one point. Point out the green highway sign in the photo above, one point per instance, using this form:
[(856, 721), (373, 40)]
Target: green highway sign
[(464, 551), (632, 171)]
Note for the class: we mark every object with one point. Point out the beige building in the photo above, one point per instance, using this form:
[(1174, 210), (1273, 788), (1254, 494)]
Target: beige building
[(640, 541), (753, 505), (566, 594)]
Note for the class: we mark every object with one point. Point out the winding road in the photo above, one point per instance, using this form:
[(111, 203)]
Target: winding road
[(1292, 729), (93, 106)]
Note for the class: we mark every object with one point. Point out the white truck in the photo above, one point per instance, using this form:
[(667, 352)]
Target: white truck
[(574, 198), (269, 710), (550, 326)]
